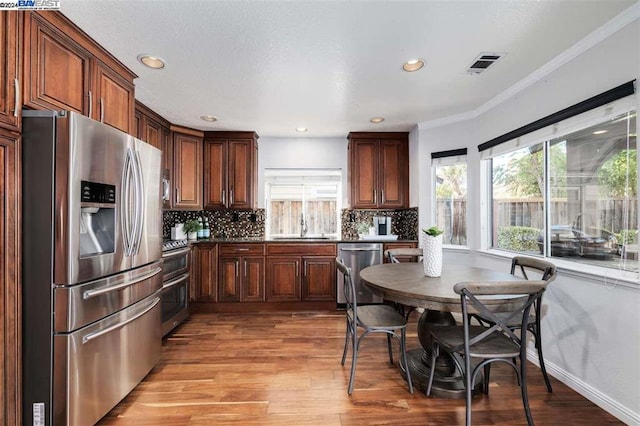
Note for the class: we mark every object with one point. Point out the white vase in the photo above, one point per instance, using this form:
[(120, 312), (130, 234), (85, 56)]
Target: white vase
[(192, 235), (432, 255)]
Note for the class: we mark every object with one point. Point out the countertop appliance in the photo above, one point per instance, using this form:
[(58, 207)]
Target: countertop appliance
[(176, 264), (92, 240), (382, 225), (358, 256)]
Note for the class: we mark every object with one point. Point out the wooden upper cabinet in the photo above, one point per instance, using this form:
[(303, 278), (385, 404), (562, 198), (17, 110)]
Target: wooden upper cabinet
[(153, 133), (230, 170), (187, 171), (364, 173), (393, 178), (241, 174), (113, 99), (10, 108), (64, 69), (151, 128), (215, 173), (379, 170), (57, 70)]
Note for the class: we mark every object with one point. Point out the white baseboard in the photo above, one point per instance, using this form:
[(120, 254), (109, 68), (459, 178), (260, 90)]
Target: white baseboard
[(603, 401)]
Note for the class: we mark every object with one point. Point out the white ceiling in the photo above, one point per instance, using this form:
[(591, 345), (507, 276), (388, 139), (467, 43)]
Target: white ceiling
[(330, 66)]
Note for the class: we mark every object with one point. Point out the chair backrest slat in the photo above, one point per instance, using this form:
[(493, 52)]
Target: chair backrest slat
[(393, 254), (531, 292), (349, 286)]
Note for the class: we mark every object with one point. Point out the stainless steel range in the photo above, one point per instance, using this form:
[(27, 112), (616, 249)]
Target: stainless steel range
[(91, 244), (176, 256)]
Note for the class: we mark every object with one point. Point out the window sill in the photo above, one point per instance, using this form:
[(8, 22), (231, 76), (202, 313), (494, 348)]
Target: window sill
[(455, 248), (597, 274)]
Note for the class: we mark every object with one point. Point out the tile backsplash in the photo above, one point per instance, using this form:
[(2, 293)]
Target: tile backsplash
[(251, 223), (223, 223), (404, 222)]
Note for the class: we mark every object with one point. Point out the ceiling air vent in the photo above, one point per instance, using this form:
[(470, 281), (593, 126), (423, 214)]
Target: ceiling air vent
[(484, 61)]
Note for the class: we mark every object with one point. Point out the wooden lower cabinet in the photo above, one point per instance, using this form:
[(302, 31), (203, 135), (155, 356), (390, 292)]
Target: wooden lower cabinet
[(10, 291), (283, 279), (257, 272), (318, 278), (241, 279), (204, 277)]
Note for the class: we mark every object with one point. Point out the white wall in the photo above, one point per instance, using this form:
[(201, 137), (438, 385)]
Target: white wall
[(591, 325), (318, 153)]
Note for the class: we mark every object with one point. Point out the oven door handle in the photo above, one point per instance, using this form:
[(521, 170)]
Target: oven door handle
[(175, 281), (91, 336), (93, 293), (175, 253)]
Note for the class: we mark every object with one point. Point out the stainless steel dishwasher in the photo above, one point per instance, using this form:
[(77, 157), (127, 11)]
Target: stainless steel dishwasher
[(358, 256)]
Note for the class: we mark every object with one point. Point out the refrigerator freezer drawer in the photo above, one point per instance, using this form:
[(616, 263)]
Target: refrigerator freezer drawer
[(96, 366), (83, 304)]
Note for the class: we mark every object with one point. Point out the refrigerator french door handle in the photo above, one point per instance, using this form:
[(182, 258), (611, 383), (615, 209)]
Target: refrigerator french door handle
[(139, 202), (91, 336), (126, 208)]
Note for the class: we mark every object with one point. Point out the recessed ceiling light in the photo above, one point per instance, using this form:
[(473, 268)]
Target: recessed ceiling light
[(413, 65), (209, 118), (377, 120), (152, 61), (599, 132), (301, 129)]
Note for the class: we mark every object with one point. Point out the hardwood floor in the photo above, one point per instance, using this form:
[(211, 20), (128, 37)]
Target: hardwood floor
[(284, 369)]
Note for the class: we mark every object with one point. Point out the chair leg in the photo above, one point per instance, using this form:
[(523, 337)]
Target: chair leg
[(435, 349), (354, 360), (538, 339), (403, 351), (487, 377), (389, 348), (523, 388), (346, 342), (468, 374)]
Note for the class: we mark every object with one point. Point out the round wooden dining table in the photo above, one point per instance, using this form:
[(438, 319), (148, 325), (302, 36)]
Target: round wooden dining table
[(406, 284)]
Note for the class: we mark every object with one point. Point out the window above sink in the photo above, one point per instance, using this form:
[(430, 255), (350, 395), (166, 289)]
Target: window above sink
[(299, 200)]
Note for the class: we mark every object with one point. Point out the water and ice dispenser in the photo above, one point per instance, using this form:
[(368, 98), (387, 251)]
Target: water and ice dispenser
[(97, 219)]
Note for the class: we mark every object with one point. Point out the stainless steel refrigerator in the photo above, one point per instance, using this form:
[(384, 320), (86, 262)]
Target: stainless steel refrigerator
[(91, 272)]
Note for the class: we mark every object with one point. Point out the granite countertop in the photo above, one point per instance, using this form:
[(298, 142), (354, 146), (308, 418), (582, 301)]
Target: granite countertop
[(292, 240)]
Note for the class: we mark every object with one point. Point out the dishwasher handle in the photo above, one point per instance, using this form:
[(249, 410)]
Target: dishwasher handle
[(359, 249)]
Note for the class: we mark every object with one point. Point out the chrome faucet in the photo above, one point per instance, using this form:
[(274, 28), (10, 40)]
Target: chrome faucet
[(303, 226)]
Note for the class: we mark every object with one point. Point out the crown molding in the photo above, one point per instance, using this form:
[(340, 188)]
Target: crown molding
[(623, 19)]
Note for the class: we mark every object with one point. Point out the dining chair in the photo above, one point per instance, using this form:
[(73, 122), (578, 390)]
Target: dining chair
[(497, 343), (393, 255), (372, 319), (548, 272)]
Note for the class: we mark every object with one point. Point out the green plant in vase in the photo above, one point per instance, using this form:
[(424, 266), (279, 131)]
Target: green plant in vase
[(432, 251), (191, 228)]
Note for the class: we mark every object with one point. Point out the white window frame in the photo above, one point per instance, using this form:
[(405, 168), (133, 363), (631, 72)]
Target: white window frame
[(300, 177), (449, 161), (544, 135)]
